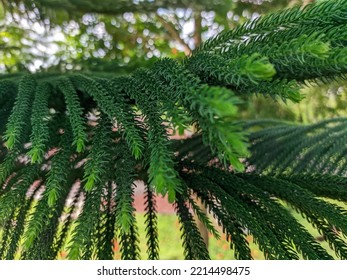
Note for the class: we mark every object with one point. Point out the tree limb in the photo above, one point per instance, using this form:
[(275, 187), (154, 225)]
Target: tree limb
[(174, 34)]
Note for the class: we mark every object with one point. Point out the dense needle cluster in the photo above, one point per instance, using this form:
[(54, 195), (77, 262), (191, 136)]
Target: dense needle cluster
[(74, 138)]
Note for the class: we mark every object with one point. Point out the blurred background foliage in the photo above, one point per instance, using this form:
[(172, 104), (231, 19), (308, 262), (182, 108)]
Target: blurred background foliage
[(120, 36), (86, 34)]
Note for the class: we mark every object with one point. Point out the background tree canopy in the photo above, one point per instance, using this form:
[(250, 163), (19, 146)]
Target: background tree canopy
[(93, 93)]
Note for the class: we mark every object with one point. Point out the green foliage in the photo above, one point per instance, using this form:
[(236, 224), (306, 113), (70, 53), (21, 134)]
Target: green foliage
[(151, 225), (302, 44), (44, 218), (40, 133), (291, 148), (125, 222), (75, 143), (57, 175), (98, 157), (247, 192), (74, 112), (193, 244), (15, 132), (114, 107)]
